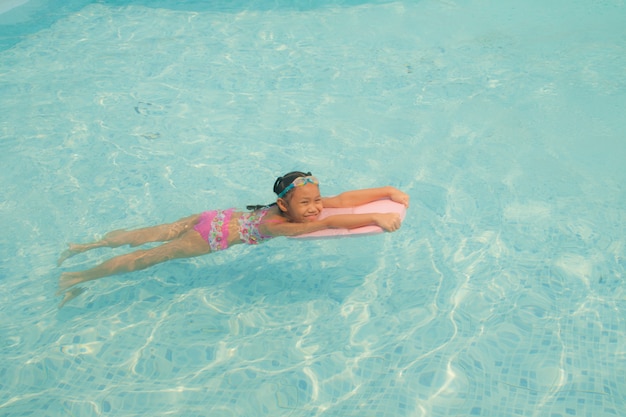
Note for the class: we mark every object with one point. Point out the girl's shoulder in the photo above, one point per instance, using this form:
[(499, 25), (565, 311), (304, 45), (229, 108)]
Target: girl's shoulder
[(270, 212), (261, 212)]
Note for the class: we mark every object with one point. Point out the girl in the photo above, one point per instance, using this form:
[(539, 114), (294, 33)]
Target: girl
[(295, 212)]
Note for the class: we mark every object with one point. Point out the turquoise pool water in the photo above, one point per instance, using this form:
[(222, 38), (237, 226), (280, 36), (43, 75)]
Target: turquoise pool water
[(502, 295)]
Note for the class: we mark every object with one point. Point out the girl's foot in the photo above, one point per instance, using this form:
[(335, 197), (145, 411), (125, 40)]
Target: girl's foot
[(69, 252), (68, 280), (70, 295), (112, 240)]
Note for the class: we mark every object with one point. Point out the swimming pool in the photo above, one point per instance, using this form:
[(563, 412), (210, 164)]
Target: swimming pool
[(503, 293)]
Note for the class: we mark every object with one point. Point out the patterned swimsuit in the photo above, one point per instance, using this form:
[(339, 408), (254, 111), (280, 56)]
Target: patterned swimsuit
[(213, 227), (249, 227)]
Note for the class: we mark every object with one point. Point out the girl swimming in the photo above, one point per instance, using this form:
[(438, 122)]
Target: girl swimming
[(296, 211)]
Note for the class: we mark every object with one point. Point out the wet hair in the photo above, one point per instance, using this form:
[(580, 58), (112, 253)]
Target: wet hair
[(280, 184)]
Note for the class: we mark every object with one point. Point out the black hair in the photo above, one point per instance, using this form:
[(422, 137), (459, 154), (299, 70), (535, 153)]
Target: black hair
[(280, 184), (283, 182)]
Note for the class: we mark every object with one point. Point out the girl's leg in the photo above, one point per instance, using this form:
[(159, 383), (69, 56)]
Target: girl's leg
[(160, 233), (188, 245)]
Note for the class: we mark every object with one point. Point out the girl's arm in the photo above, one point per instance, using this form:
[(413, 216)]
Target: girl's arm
[(359, 197), (389, 222)]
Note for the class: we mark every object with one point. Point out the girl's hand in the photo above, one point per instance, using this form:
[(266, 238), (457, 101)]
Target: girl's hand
[(399, 197), (389, 222)]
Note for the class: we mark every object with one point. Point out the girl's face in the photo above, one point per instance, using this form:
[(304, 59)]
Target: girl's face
[(302, 204)]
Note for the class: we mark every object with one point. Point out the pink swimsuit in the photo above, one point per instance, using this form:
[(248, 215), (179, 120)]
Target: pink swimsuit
[(213, 227)]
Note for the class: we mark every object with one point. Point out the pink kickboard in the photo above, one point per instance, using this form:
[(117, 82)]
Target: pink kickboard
[(380, 206)]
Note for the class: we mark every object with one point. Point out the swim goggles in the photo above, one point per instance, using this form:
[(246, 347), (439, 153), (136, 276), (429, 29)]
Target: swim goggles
[(299, 182)]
